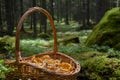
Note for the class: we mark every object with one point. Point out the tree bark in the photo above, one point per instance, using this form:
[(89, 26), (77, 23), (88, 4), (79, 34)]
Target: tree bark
[(9, 16), (66, 13), (0, 17), (117, 3), (31, 17), (88, 12), (79, 12), (21, 13), (83, 14), (52, 8), (101, 8), (58, 10), (43, 20), (34, 19)]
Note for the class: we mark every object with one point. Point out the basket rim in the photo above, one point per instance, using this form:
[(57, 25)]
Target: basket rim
[(77, 65), (23, 62)]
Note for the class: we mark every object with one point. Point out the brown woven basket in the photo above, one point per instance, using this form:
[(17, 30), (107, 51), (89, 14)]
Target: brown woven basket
[(26, 70)]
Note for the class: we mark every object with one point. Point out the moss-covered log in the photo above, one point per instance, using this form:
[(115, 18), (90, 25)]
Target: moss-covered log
[(68, 40)]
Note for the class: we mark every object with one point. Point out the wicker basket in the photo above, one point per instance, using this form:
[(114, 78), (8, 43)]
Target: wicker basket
[(26, 70)]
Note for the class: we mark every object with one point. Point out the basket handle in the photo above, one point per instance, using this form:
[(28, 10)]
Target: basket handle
[(29, 11)]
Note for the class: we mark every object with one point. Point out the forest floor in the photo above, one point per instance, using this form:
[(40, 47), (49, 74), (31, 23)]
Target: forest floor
[(64, 32), (86, 56)]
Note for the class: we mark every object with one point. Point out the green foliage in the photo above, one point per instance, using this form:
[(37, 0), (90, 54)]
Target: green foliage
[(30, 47), (112, 53), (100, 48), (74, 48), (4, 69), (75, 51)]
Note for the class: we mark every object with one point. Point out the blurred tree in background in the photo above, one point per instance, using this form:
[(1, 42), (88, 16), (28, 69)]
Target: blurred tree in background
[(85, 12)]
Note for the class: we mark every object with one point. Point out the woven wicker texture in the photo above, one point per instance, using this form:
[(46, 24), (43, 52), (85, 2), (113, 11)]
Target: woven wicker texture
[(26, 70)]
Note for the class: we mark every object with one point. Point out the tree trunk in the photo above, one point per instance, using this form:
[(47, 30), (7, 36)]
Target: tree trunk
[(88, 12), (61, 10), (66, 13), (117, 3), (43, 20), (70, 11), (12, 14), (0, 17), (31, 17), (101, 8), (83, 15), (58, 10), (52, 8), (21, 13), (79, 18), (9, 16), (34, 19), (16, 14)]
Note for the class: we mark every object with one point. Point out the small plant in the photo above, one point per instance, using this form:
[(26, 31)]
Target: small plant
[(4, 69), (100, 48)]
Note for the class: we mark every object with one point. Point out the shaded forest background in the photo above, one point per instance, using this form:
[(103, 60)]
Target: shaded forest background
[(85, 12), (74, 21)]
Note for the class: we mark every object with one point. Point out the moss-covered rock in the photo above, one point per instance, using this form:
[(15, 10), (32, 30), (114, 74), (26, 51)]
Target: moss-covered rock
[(107, 31), (100, 68)]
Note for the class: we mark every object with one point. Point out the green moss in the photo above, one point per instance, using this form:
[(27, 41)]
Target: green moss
[(101, 68), (117, 46), (107, 31), (97, 66), (95, 76), (87, 55), (7, 44), (116, 73)]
